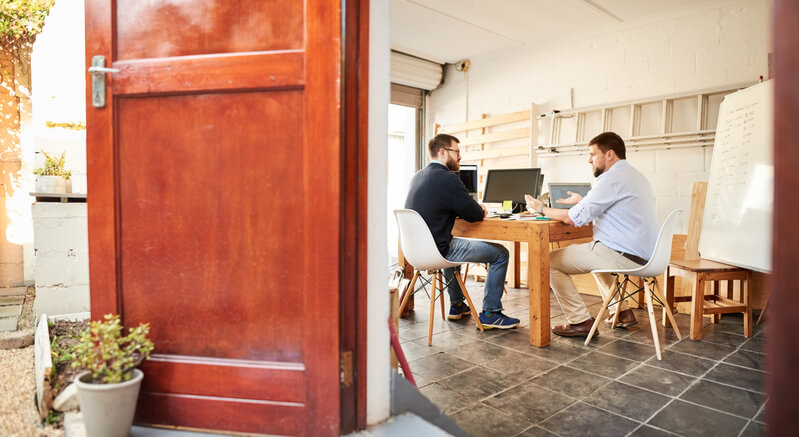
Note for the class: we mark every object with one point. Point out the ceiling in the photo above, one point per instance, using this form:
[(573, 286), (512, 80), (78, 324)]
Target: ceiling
[(447, 31)]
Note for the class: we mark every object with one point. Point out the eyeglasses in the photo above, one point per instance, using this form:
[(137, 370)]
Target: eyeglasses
[(453, 150)]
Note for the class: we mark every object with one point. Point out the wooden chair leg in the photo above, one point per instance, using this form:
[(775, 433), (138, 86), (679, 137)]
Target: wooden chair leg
[(763, 311), (441, 294), (667, 310), (668, 299), (408, 292), (601, 310), (652, 322), (697, 303), (432, 310), (716, 292), (746, 290), (469, 300), (640, 293)]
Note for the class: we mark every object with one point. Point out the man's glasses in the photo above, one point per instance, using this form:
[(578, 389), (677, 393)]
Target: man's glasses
[(453, 150)]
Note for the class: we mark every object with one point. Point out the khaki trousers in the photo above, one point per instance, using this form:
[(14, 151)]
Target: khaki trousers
[(578, 259)]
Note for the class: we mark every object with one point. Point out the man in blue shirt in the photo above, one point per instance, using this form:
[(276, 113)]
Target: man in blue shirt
[(439, 196), (622, 207)]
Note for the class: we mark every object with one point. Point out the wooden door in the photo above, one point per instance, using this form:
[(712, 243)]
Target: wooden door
[(214, 205)]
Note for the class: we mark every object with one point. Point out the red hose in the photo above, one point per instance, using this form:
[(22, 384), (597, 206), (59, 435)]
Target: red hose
[(395, 344)]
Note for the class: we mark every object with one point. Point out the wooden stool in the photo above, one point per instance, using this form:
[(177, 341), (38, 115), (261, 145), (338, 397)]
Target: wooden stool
[(699, 272)]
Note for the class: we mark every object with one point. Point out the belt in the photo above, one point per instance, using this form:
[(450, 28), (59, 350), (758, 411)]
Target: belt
[(634, 258)]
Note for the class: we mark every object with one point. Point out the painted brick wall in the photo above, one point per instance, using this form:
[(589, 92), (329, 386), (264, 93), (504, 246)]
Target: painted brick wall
[(716, 44)]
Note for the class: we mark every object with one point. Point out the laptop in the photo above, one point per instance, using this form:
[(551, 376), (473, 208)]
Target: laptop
[(560, 191)]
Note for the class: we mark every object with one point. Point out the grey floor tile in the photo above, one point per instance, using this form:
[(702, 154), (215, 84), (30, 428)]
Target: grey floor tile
[(481, 420), (702, 349), (421, 381), (693, 420), (478, 382), (446, 340), (516, 339), (658, 380), (439, 366), (414, 351), (741, 377), (446, 399), (480, 352), (754, 429), (648, 431), (628, 401), (582, 419), (598, 341), (666, 336), (571, 382), (603, 364), (714, 335), (530, 402), (725, 398), (682, 363), (755, 344), (558, 351), (537, 432), (752, 360), (521, 364), (419, 330), (629, 350), (761, 416)]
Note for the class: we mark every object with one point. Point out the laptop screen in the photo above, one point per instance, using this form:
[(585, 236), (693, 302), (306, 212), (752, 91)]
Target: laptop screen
[(561, 191)]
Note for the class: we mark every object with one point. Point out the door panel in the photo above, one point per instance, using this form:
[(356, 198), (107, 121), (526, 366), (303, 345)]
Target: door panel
[(214, 206)]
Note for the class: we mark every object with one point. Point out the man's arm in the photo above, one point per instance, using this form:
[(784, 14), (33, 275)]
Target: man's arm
[(558, 214)]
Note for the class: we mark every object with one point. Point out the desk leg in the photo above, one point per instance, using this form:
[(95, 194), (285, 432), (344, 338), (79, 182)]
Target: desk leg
[(538, 284), (517, 265)]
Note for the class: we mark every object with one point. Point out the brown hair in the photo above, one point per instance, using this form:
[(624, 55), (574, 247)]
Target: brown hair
[(610, 141), (440, 141)]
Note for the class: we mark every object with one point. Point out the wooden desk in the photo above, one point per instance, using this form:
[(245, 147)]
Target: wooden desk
[(537, 234)]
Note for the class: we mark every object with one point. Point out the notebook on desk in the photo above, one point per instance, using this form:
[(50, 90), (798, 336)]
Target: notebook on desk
[(561, 191)]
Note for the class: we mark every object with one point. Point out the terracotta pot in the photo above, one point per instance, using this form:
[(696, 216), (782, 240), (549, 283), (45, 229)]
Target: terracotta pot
[(108, 409)]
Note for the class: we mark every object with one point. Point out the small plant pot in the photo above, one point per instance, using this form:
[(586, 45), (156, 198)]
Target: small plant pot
[(51, 184), (108, 409)]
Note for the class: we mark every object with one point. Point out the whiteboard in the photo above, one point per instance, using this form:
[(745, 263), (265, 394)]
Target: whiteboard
[(736, 227)]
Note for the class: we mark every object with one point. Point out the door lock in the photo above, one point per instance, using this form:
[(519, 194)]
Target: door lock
[(98, 71)]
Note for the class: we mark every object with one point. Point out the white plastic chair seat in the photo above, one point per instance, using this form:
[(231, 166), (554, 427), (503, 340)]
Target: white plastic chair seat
[(655, 267)]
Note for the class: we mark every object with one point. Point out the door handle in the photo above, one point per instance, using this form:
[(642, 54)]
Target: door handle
[(98, 71)]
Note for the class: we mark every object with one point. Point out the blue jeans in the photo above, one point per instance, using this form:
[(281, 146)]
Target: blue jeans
[(475, 251)]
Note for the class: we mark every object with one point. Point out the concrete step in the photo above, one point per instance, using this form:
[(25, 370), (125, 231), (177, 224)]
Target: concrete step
[(11, 300), (8, 324), (10, 311)]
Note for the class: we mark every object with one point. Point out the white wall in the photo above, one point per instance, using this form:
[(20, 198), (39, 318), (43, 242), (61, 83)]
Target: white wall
[(716, 44)]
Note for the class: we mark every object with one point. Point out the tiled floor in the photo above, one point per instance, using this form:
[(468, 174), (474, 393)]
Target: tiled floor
[(495, 383)]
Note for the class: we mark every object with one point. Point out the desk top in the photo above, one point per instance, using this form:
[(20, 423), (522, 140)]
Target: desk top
[(520, 230)]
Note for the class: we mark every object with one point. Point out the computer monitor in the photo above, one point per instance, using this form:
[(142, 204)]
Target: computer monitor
[(561, 191), (512, 184), (468, 175)]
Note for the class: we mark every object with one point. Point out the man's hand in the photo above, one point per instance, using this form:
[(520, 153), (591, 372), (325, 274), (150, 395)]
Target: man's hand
[(485, 211), (573, 199), (532, 203)]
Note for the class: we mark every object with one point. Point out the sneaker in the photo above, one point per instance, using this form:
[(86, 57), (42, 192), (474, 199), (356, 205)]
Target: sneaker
[(458, 310), (497, 320)]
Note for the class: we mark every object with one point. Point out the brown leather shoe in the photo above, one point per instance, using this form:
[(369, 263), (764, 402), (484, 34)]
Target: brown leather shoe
[(626, 319), (576, 330)]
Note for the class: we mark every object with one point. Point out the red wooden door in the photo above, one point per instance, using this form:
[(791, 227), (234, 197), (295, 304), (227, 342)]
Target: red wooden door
[(214, 188)]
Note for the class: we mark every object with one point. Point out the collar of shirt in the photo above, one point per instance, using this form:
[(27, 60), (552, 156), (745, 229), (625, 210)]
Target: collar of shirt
[(437, 162)]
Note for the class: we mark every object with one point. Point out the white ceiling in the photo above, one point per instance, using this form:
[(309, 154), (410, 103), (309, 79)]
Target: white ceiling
[(447, 31)]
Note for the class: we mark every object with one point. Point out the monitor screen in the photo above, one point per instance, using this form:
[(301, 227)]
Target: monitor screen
[(511, 184), (561, 191), (468, 175)]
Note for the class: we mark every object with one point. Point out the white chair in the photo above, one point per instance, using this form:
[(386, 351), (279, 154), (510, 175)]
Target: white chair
[(648, 273), (420, 250)]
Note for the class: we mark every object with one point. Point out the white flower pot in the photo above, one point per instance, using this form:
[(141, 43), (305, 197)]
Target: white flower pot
[(108, 409), (51, 184)]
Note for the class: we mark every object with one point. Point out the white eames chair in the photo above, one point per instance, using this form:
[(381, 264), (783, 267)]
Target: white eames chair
[(648, 273), (420, 250)]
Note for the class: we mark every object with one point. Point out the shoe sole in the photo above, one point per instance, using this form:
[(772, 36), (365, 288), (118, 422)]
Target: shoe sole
[(575, 335), (622, 325), (459, 316), (500, 326)]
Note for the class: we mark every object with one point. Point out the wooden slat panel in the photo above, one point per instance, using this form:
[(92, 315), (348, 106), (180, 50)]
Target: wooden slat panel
[(209, 73), (486, 122), (507, 135), (496, 153), (249, 416), (159, 29), (225, 378)]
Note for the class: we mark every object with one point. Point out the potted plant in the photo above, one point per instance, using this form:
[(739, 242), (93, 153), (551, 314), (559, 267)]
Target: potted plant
[(52, 177), (108, 390)]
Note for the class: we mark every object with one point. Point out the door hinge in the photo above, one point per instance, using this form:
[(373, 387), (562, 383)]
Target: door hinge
[(346, 368)]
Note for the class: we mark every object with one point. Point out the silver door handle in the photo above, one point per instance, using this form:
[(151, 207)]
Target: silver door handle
[(102, 70)]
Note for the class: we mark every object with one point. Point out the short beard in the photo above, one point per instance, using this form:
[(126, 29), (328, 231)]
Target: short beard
[(453, 165), (597, 172)]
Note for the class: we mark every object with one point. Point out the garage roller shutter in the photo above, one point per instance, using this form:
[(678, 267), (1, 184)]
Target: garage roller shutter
[(415, 72)]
